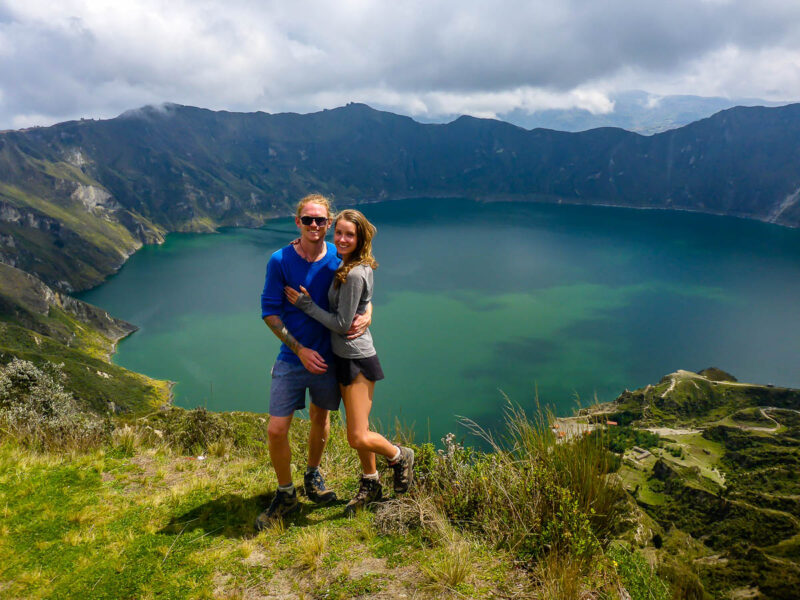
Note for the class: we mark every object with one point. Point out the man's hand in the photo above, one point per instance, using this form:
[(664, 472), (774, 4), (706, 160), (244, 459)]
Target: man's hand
[(312, 360), (360, 324)]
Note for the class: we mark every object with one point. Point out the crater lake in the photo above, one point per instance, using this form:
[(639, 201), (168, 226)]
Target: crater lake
[(479, 302)]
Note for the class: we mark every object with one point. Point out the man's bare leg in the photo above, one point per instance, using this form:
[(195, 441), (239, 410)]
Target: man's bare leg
[(279, 450), (319, 433), (313, 482)]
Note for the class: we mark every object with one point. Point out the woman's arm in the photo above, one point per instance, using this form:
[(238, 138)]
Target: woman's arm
[(349, 297)]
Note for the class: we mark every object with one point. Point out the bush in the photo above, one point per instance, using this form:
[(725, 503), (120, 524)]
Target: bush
[(621, 438), (37, 411), (530, 494), (676, 451), (192, 431), (200, 431), (638, 577)]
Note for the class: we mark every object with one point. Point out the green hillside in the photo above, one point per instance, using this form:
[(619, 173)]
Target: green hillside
[(44, 326), (163, 505), (716, 464)]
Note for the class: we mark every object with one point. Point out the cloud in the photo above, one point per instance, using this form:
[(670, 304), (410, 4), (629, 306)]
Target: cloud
[(96, 59)]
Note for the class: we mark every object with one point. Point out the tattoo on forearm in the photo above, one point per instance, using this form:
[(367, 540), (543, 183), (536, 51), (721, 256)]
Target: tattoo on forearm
[(279, 329)]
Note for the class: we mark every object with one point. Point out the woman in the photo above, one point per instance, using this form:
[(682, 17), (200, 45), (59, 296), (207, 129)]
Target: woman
[(357, 364)]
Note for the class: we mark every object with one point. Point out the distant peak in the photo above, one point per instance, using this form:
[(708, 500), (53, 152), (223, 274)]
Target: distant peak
[(357, 107), (152, 110), (351, 107)]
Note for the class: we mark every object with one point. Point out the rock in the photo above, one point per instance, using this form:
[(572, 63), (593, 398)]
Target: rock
[(95, 199)]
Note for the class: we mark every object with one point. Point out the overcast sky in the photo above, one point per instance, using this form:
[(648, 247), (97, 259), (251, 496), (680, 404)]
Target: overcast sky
[(66, 59)]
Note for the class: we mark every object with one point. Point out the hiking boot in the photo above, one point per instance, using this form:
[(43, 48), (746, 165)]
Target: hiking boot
[(369, 491), (282, 504), (403, 470), (315, 490)]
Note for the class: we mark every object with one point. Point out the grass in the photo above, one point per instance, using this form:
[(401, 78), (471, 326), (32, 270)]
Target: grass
[(108, 236), (530, 494), (164, 505), (134, 519), (636, 482), (637, 575), (697, 453), (312, 544), (453, 567)]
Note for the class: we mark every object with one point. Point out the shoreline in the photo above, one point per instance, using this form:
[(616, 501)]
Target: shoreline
[(170, 399), (489, 199)]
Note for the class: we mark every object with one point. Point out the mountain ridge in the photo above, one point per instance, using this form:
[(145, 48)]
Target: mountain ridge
[(77, 198)]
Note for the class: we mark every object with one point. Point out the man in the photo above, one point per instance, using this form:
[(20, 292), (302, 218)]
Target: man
[(305, 361)]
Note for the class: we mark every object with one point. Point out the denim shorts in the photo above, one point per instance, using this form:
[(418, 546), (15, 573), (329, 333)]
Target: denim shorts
[(289, 384)]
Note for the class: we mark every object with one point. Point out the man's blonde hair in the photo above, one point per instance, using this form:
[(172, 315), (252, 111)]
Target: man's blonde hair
[(316, 199)]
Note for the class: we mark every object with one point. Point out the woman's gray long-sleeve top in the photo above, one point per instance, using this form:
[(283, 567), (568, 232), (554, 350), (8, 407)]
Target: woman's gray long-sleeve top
[(349, 298)]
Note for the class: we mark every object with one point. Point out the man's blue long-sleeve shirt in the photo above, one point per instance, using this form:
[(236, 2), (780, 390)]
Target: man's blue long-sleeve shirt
[(286, 267)]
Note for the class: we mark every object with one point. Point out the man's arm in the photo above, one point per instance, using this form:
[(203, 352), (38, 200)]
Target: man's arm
[(360, 324), (311, 359)]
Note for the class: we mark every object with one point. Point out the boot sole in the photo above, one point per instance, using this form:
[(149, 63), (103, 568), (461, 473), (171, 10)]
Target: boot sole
[(261, 525), (351, 510), (323, 500)]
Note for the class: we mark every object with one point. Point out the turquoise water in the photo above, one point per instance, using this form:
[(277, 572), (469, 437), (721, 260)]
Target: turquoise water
[(475, 302)]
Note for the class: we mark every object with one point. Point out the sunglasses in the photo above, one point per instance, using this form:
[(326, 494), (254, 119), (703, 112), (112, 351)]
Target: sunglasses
[(320, 221)]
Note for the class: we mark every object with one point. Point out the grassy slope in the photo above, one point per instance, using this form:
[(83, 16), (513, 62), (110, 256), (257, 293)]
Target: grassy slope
[(72, 244), (686, 399), (106, 235), (94, 381), (141, 515), (146, 522), (37, 324)]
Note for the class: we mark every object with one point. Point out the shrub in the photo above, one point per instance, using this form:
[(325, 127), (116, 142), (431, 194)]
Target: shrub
[(37, 411), (196, 431), (199, 431), (410, 513), (621, 438), (676, 451), (561, 577), (638, 577), (530, 494)]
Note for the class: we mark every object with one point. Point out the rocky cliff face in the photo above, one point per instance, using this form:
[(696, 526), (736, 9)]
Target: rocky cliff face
[(26, 299)]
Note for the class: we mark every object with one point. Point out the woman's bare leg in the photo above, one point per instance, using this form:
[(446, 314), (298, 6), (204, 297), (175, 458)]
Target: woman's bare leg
[(357, 404)]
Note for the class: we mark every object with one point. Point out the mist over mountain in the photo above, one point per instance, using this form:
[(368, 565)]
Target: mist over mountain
[(77, 198), (633, 110)]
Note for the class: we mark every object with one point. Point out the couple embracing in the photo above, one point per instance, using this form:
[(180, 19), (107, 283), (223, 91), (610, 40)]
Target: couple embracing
[(319, 305)]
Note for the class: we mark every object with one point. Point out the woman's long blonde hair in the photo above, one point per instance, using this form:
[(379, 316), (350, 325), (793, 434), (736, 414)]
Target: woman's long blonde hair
[(362, 255)]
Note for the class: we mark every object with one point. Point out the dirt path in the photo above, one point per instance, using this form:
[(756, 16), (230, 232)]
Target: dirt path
[(670, 431)]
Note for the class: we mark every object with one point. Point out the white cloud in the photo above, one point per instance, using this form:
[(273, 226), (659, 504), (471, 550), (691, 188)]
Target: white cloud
[(93, 58)]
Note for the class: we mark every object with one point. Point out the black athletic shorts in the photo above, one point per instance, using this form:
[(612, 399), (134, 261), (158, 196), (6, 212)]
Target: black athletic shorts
[(347, 369)]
